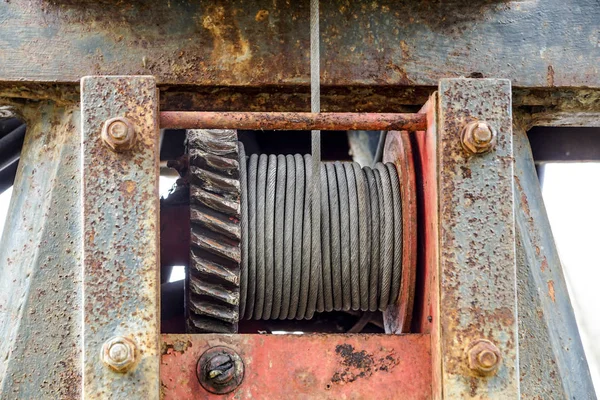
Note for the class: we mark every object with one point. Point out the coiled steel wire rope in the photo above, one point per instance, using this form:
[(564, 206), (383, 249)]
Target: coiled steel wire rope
[(361, 237)]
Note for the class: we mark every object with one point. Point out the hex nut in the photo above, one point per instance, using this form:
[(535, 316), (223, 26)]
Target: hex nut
[(484, 357), (119, 353), (118, 134), (478, 137)]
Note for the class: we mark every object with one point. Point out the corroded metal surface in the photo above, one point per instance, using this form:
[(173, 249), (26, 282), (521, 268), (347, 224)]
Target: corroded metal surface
[(291, 121), (398, 150), (40, 262), (213, 295), (552, 359), (238, 42), (477, 239), (120, 240), (426, 314), (305, 366)]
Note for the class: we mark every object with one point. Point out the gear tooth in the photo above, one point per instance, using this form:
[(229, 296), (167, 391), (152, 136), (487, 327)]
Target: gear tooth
[(215, 254)]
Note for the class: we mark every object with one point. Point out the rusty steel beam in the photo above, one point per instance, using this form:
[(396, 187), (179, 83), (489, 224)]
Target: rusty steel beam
[(478, 305), (318, 366), (382, 43), (120, 237), (292, 121)]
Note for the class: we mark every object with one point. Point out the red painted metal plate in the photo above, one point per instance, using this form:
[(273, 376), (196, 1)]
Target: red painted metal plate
[(305, 366)]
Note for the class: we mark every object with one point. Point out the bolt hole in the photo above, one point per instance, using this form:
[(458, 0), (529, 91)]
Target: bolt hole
[(328, 386)]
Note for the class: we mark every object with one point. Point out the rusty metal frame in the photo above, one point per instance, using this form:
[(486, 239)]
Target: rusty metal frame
[(291, 121), (305, 366), (477, 263), (120, 239), (51, 157)]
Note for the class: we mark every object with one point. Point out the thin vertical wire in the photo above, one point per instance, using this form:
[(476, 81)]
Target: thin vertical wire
[(316, 292)]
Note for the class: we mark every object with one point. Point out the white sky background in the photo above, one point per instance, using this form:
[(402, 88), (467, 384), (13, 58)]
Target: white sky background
[(572, 197)]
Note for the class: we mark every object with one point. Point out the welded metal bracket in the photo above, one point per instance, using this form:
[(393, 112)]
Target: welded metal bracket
[(120, 237), (477, 267)]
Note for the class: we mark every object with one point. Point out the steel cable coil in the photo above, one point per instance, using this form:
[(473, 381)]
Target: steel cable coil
[(360, 249)]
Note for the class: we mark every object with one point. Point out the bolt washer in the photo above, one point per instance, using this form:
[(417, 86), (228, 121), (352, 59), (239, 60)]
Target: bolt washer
[(220, 370)]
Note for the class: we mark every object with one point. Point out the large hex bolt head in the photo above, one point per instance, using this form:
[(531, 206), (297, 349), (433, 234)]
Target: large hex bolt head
[(119, 353), (484, 357), (478, 137), (118, 134)]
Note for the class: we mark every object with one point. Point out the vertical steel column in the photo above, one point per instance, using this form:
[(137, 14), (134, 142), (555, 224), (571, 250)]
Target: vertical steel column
[(120, 245), (478, 307)]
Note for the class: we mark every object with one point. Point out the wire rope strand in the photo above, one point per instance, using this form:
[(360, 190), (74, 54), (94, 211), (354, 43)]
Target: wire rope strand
[(298, 229), (325, 242), (252, 184), (279, 227), (354, 243), (387, 250), (261, 192), (374, 235), (344, 235), (334, 225), (288, 235), (269, 235), (397, 206), (306, 241), (364, 222), (243, 228)]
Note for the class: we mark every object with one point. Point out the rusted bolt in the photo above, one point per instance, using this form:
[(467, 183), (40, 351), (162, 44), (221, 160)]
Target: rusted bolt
[(220, 370), (478, 137), (118, 134), (484, 357), (119, 353)]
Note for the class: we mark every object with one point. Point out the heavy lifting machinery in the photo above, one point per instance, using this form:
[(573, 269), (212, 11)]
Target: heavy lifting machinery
[(357, 207)]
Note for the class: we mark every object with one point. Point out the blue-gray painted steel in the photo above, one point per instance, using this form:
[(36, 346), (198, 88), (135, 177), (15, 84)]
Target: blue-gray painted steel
[(552, 359), (120, 236), (40, 262), (477, 239)]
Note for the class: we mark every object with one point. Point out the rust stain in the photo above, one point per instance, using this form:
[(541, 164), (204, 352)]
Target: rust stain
[(550, 76), (360, 364), (178, 346), (292, 121), (230, 46), (262, 15), (128, 187), (551, 290), (544, 265)]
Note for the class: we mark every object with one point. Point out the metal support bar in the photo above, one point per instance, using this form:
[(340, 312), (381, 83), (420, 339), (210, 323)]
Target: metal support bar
[(297, 367), (292, 121), (40, 262), (550, 349), (478, 306), (120, 240)]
